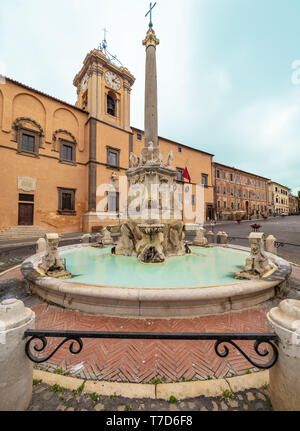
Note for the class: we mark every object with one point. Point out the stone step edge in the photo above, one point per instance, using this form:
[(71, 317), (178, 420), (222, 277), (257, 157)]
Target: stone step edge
[(163, 391)]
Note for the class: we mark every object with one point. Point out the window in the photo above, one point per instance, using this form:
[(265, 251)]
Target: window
[(111, 105), (232, 205), (219, 204), (66, 201), (179, 174), (26, 198), (205, 179), (224, 175), (231, 177), (238, 179), (218, 190), (28, 143), (248, 182), (113, 157), (218, 173), (244, 180), (139, 136), (239, 193), (238, 206), (179, 150), (225, 206), (224, 191), (113, 202), (232, 192), (67, 152)]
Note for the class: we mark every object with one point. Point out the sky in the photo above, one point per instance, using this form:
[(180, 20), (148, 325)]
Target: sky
[(228, 70)]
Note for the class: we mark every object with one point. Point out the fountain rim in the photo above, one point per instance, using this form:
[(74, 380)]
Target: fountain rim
[(34, 260), (65, 293)]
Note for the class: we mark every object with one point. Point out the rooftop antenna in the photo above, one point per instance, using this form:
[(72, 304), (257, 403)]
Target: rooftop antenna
[(103, 47)]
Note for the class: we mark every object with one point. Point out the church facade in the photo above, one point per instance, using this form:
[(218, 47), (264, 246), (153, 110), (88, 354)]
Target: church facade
[(54, 155)]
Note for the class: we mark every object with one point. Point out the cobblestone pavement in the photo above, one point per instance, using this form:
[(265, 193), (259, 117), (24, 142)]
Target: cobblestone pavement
[(55, 398)]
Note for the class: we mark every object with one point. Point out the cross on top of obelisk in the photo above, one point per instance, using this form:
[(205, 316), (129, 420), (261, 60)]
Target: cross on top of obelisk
[(150, 12)]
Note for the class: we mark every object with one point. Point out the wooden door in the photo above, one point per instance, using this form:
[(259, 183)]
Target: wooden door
[(25, 214)]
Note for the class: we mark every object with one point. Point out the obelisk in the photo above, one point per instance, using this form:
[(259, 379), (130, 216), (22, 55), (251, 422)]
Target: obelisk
[(151, 118)]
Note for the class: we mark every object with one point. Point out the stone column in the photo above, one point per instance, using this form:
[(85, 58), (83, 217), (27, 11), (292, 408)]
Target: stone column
[(284, 376), (95, 90), (127, 90), (16, 370), (151, 119), (93, 165)]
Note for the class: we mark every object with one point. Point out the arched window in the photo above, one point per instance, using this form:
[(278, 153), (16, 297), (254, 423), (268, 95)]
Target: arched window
[(111, 104)]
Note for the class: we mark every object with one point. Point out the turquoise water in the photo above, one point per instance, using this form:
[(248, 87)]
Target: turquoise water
[(204, 267)]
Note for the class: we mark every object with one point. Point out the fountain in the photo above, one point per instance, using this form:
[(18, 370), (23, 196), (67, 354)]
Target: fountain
[(152, 240), (152, 272)]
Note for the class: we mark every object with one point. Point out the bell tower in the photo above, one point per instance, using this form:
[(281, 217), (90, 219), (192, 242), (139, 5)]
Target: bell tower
[(104, 88)]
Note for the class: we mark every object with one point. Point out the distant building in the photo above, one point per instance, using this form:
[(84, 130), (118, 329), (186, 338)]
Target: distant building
[(279, 196), (239, 194), (293, 204)]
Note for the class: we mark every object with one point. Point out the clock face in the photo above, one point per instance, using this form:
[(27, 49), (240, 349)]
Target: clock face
[(112, 80), (84, 83)]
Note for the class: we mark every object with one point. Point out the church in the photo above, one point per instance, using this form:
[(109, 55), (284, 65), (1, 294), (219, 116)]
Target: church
[(55, 155)]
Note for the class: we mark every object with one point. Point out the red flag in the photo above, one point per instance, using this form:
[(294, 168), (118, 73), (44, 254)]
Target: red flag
[(186, 175)]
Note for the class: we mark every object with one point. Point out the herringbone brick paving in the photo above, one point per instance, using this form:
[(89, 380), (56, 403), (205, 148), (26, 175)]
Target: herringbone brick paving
[(144, 361)]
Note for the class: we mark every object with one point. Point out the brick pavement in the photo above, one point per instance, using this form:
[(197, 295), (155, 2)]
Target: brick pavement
[(143, 361)]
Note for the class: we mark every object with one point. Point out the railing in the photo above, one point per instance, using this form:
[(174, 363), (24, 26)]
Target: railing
[(221, 349), (277, 244)]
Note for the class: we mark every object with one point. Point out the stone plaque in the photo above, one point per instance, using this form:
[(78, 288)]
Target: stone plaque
[(27, 184)]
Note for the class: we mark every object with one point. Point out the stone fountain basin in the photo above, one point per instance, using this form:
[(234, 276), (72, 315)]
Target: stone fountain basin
[(155, 302)]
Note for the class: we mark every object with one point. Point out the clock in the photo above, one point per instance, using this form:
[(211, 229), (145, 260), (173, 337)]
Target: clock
[(112, 80), (84, 83)]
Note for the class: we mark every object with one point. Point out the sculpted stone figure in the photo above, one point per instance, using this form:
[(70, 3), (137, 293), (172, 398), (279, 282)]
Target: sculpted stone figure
[(151, 251), (170, 160), (125, 245), (174, 239), (257, 264), (134, 160), (107, 238), (52, 263)]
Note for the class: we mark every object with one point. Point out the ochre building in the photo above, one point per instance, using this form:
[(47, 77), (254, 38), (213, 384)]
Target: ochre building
[(239, 194), (54, 155), (279, 198)]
